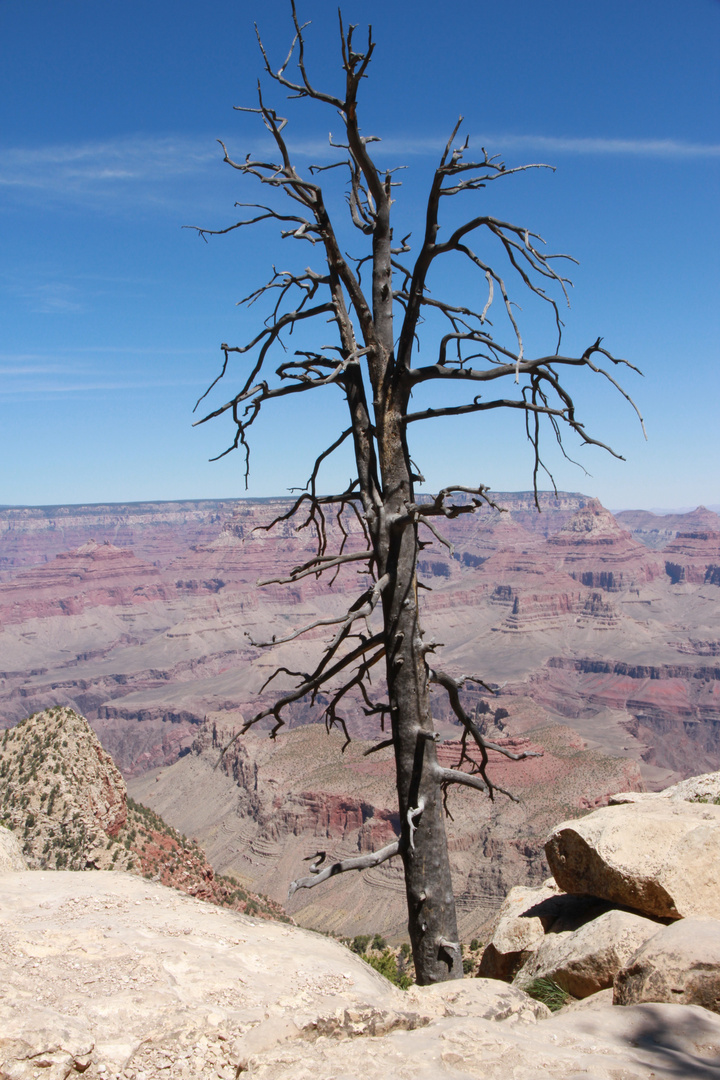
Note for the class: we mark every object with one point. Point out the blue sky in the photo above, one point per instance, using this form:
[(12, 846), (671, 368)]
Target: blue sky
[(112, 314)]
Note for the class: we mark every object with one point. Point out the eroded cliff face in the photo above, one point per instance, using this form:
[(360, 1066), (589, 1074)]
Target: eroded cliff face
[(693, 557), (146, 651), (265, 806), (672, 710), (657, 530), (156, 531)]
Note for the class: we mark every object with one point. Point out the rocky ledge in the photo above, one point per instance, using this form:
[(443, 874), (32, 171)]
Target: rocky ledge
[(105, 975), (632, 912)]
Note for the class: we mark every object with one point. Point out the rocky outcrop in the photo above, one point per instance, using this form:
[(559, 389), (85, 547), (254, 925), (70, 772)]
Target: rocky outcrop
[(680, 964), (93, 575), (61, 792), (67, 803), (597, 552), (657, 530), (661, 858), (11, 856), (658, 855), (694, 557), (584, 961)]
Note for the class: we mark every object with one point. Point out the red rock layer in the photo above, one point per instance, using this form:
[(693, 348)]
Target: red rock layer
[(90, 576), (595, 551), (694, 557)]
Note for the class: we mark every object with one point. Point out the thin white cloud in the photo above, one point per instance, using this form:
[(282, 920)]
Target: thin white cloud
[(143, 159), (146, 171), (126, 159), (91, 387), (494, 141), (647, 148)]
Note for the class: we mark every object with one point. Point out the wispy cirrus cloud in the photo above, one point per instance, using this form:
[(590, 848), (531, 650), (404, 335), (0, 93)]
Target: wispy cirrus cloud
[(111, 175), (90, 370), (130, 159), (154, 167), (580, 145)]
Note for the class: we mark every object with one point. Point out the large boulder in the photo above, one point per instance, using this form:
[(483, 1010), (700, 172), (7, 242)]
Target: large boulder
[(680, 964), (661, 858), (586, 961), (526, 916), (11, 856)]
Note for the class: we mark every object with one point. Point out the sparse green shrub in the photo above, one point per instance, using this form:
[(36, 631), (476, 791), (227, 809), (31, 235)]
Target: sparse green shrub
[(360, 943), (387, 965), (475, 945), (379, 943), (548, 992)]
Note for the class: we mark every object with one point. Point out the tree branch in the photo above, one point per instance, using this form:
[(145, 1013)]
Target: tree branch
[(452, 688), (359, 862)]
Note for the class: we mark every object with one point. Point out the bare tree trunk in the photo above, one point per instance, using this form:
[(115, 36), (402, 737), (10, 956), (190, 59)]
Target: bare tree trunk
[(432, 922)]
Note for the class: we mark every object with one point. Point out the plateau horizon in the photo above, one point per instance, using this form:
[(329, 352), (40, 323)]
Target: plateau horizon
[(424, 492)]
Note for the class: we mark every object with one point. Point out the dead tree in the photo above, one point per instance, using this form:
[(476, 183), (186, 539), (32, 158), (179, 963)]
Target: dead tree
[(371, 363)]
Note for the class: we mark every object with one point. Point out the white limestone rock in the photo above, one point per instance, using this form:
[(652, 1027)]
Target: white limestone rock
[(586, 961), (40, 1042), (11, 856), (526, 916), (517, 932), (695, 789), (661, 858), (681, 964), (119, 977), (482, 998)]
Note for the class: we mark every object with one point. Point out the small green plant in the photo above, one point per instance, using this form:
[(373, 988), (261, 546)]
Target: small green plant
[(548, 992), (387, 965), (379, 943), (360, 943), (475, 945)]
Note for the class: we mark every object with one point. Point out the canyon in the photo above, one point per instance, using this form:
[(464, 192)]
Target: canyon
[(598, 636)]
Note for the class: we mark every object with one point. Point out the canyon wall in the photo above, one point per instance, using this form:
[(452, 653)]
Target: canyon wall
[(599, 648)]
